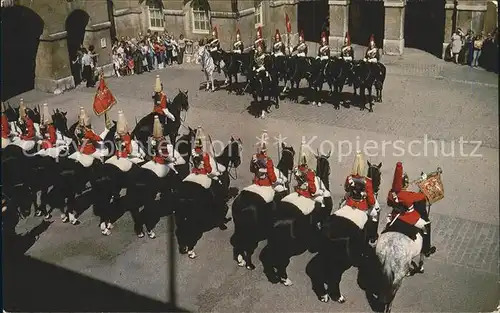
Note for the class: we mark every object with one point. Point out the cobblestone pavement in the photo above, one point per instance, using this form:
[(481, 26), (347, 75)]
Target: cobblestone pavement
[(461, 277)]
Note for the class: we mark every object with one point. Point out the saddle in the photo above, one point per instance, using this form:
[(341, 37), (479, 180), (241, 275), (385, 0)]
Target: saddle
[(199, 179), (356, 216), (265, 192), (161, 170), (305, 205)]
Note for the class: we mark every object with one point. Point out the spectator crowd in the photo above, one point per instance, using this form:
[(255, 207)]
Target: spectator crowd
[(474, 49)]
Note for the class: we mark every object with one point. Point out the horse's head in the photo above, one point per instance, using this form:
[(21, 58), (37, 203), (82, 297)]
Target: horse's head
[(323, 168), (60, 121), (180, 102), (184, 144), (375, 175), (33, 114), (12, 114), (231, 154), (286, 161)]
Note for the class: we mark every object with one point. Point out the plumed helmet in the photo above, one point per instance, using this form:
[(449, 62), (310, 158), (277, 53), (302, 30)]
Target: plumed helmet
[(158, 87), (323, 37), (157, 128), (358, 167), (277, 34), (304, 157), (397, 182), (347, 38), (83, 118), (301, 36), (46, 118), (259, 32), (372, 39), (199, 139), (215, 32), (22, 109), (263, 142), (121, 123), (238, 32)]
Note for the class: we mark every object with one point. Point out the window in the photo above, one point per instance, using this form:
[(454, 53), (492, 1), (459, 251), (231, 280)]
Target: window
[(156, 21), (259, 16), (201, 21)]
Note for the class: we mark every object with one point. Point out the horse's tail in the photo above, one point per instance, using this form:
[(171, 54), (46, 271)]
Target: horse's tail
[(245, 221)]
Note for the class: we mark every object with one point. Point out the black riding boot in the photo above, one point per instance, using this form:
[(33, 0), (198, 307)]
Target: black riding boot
[(427, 249)]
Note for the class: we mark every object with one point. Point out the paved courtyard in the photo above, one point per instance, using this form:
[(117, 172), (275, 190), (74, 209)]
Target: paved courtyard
[(424, 99)]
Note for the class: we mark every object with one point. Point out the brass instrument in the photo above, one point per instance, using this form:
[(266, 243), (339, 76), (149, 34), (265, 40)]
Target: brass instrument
[(431, 185)]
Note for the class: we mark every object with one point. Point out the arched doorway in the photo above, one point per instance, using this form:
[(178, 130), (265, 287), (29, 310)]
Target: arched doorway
[(21, 30), (75, 29), (313, 18), (366, 17), (424, 25)]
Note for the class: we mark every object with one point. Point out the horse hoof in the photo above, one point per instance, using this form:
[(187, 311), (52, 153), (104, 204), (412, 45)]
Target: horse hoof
[(250, 267), (241, 262), (341, 299), (370, 110), (151, 234), (102, 226), (140, 235), (192, 254), (183, 250), (324, 298), (75, 222), (431, 251), (222, 227), (287, 282), (38, 213)]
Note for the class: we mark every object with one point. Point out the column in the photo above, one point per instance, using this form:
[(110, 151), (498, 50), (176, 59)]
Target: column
[(339, 22), (449, 23), (394, 41)]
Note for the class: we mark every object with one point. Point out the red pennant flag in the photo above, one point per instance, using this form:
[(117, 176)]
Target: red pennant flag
[(288, 24), (103, 100)]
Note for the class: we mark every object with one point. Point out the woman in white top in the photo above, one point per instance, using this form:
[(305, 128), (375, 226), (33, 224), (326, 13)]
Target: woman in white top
[(456, 45)]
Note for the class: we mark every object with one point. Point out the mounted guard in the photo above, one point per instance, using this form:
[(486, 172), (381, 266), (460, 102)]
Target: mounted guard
[(259, 40), (259, 59), (372, 54), (47, 129), (123, 157), (162, 161), (214, 48), (26, 139), (306, 178), (278, 46), (88, 141), (324, 48), (411, 207), (5, 128), (301, 47), (201, 159), (359, 195), (347, 52), (161, 101), (238, 46)]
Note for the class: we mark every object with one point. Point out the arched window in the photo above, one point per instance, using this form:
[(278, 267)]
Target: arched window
[(259, 13), (200, 16)]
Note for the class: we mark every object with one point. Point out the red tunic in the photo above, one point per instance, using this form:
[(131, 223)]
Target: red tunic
[(5, 127), (50, 134), (127, 149), (311, 185), (363, 204), (88, 140), (270, 178), (406, 199), (30, 130), (161, 155), (158, 109), (207, 168)]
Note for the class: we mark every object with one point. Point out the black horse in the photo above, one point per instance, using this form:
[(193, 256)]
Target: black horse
[(234, 64), (294, 232), (301, 68), (366, 75), (343, 245), (253, 217), (144, 127), (198, 208), (281, 69), (337, 73)]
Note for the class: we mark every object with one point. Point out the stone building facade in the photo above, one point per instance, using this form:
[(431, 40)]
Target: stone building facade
[(52, 29)]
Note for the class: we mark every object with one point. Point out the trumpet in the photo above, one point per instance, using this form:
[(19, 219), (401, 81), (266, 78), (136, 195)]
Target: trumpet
[(424, 176)]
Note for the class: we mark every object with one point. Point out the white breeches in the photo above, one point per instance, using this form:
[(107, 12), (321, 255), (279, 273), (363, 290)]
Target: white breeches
[(278, 54), (237, 51), (347, 58), (261, 68), (325, 57), (372, 60), (373, 211), (213, 49), (301, 54), (169, 115)]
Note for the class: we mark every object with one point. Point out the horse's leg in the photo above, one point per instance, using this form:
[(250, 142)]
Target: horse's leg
[(370, 99), (362, 98), (334, 276), (249, 250), (212, 81)]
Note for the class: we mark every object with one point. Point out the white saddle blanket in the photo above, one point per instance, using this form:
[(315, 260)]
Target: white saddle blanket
[(5, 142), (266, 192), (52, 152), (123, 164), (200, 179), (84, 159), (358, 217), (305, 205), (161, 170), (320, 188), (26, 145)]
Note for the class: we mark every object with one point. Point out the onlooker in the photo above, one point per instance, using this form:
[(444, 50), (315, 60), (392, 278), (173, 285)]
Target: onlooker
[(88, 68), (181, 43), (456, 45), (478, 47)]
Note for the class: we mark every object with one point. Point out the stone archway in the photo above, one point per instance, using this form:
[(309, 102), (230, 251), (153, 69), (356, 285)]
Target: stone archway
[(424, 25), (75, 29), (313, 19), (21, 30), (366, 17)]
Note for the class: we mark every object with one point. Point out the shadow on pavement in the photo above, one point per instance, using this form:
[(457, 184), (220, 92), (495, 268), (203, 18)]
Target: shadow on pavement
[(32, 285)]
